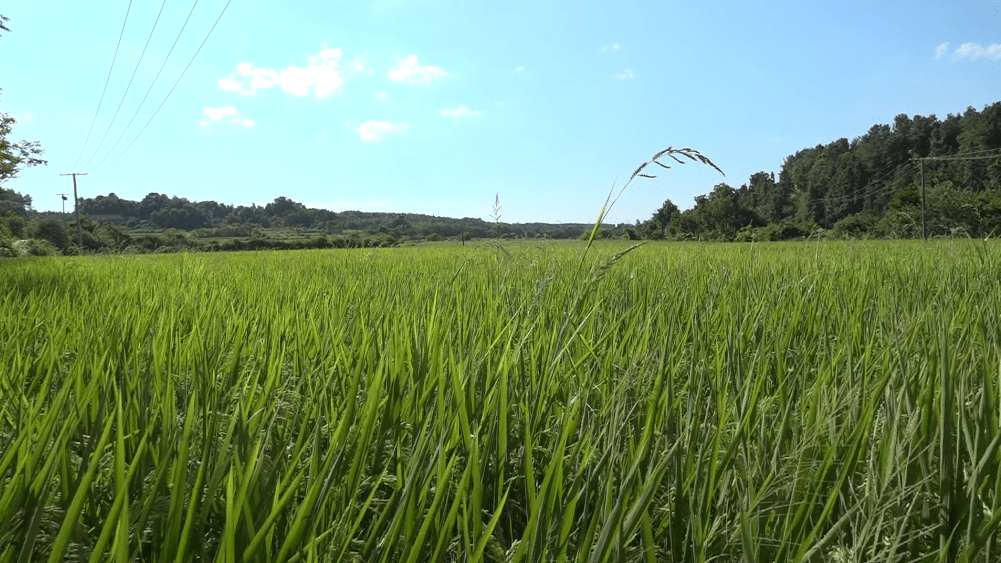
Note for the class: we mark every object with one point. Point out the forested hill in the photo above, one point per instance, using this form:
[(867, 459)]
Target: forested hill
[(867, 187), (162, 212)]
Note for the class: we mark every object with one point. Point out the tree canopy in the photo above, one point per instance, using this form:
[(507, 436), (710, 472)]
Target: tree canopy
[(867, 187)]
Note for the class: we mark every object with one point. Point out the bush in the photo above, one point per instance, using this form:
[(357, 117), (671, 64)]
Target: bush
[(51, 230), (34, 247), (856, 226), (12, 225), (786, 230)]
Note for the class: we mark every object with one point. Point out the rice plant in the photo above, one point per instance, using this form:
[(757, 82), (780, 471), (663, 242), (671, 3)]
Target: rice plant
[(823, 402)]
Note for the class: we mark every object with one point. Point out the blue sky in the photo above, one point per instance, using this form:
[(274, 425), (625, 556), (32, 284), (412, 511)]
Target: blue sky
[(433, 107)]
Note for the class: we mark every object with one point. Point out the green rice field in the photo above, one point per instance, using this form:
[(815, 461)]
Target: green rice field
[(516, 402)]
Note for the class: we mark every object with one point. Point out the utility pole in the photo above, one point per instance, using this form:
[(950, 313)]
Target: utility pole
[(76, 206), (924, 209), (64, 208)]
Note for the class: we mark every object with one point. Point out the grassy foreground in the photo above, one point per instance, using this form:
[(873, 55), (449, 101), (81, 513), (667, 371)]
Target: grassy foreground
[(788, 402)]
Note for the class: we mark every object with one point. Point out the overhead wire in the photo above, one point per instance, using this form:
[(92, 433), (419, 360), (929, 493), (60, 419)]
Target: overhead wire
[(876, 190), (105, 89), (947, 158), (150, 89), (873, 191), (124, 94), (209, 34)]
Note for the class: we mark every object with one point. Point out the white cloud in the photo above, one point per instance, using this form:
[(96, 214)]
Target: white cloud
[(625, 74), (407, 70), (373, 131), (263, 78), (298, 80), (216, 114), (974, 51), (330, 54), (381, 95), (613, 48), (941, 50), (230, 85), (321, 77), (519, 68), (461, 111)]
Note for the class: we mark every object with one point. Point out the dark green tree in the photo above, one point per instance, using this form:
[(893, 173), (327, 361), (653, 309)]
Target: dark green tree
[(51, 230), (656, 227)]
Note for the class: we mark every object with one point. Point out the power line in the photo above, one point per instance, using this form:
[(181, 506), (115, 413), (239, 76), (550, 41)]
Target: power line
[(134, 71), (974, 152), (228, 2), (983, 157), (150, 89), (106, 80), (873, 191), (960, 156)]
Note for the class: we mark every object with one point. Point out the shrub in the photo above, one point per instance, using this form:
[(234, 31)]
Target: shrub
[(51, 230)]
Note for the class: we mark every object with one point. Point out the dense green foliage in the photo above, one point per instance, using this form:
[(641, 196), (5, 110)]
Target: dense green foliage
[(160, 211), (825, 402), (869, 187)]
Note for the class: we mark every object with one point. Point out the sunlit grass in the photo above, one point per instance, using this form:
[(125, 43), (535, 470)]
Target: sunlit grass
[(783, 402)]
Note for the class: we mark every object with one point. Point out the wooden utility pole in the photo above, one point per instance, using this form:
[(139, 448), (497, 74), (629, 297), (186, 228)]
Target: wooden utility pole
[(76, 206), (924, 208)]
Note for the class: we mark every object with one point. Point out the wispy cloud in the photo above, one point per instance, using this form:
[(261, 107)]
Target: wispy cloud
[(215, 114), (625, 74), (461, 111), (374, 131), (519, 69), (358, 64), (972, 51), (381, 95), (229, 84), (407, 70), (322, 76), (608, 49)]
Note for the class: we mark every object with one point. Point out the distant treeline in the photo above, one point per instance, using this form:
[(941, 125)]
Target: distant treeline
[(869, 187), (162, 212), (160, 223)]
